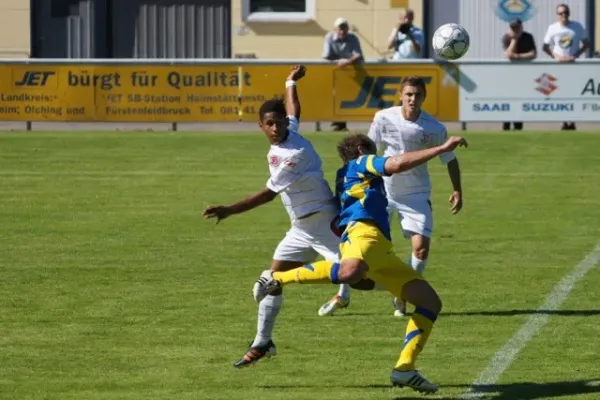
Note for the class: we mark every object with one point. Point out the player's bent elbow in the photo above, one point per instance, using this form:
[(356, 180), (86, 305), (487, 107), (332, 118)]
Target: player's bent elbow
[(394, 165)]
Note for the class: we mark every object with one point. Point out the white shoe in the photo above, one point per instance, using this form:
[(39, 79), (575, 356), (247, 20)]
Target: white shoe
[(414, 380), (265, 285), (400, 307), (332, 305)]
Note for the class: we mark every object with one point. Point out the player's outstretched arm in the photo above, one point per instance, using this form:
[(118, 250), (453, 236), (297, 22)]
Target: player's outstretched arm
[(406, 161), (257, 199), (292, 102)]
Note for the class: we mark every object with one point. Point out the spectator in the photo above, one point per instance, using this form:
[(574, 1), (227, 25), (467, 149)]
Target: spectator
[(565, 41), (344, 48), (518, 45), (406, 40)]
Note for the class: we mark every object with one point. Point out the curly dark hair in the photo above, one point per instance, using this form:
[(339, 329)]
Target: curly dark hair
[(276, 106), (348, 147)]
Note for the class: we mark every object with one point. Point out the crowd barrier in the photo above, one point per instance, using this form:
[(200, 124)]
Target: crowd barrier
[(233, 90)]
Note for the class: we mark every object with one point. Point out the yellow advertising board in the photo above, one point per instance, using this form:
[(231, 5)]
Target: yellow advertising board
[(360, 92), (209, 93)]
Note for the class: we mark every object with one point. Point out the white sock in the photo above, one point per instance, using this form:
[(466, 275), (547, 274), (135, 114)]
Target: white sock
[(417, 264), (344, 291), (268, 309)]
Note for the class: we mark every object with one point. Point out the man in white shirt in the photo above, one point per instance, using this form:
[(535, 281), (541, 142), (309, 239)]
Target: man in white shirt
[(296, 175), (406, 40), (565, 41), (397, 130)]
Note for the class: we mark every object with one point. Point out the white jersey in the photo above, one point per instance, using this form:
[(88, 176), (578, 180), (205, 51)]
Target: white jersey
[(394, 136), (297, 175), (565, 40)]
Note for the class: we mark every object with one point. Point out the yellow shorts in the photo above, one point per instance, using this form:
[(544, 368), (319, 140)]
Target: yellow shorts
[(364, 240)]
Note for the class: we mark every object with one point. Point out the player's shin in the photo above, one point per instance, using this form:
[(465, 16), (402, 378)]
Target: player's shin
[(268, 309), (319, 272), (417, 332)]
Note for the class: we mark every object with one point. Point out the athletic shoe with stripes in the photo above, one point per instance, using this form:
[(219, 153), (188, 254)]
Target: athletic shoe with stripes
[(265, 285), (256, 353), (336, 303), (412, 379)]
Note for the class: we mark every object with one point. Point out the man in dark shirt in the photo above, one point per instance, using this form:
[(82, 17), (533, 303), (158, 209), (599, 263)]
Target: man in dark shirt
[(518, 45)]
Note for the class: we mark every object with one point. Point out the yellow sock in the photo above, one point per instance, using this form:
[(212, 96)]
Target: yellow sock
[(418, 330), (319, 272)]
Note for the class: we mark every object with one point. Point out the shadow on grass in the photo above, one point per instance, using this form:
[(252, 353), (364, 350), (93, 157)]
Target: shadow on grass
[(534, 390), (511, 313), (507, 391)]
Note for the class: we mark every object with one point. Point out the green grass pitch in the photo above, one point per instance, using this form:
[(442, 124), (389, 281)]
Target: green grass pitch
[(112, 286)]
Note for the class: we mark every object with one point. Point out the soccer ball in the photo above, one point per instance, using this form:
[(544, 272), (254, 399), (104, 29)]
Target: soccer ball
[(450, 41)]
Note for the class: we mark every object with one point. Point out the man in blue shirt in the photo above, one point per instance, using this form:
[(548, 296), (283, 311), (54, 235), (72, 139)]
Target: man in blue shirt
[(406, 40)]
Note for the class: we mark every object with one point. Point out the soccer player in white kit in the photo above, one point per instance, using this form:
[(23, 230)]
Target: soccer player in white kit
[(296, 175), (398, 130)]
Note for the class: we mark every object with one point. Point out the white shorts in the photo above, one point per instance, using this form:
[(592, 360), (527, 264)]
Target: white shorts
[(308, 238), (414, 215)]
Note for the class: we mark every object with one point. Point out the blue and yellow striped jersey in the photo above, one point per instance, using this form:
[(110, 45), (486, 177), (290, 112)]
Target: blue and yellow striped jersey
[(359, 188)]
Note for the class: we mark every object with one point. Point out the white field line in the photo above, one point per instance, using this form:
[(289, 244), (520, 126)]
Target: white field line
[(507, 354)]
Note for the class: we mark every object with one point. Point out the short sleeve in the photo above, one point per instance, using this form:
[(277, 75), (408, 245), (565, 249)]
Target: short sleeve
[(356, 50), (327, 51), (445, 158), (371, 166), (294, 125), (531, 43), (375, 132), (289, 171)]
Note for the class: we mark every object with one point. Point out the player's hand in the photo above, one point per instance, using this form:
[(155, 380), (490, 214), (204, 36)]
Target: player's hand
[(297, 73), (453, 142), (343, 62), (218, 212), (456, 201)]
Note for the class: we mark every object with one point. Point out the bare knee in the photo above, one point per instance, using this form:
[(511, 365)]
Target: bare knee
[(352, 271), (422, 295), (420, 245), (350, 276)]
